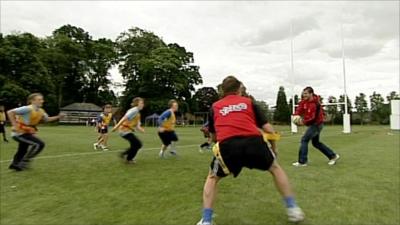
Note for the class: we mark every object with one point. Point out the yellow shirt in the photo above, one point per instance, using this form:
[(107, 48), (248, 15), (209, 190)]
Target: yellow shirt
[(28, 117), (133, 120), (167, 120), (2, 117), (106, 119)]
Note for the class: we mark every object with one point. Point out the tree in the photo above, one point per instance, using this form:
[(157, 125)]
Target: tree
[(67, 60), (332, 110), (392, 96), (282, 113), (342, 106), (296, 102), (80, 66), (377, 107), (155, 70), (205, 97), (102, 56), (22, 70), (265, 108), (361, 106)]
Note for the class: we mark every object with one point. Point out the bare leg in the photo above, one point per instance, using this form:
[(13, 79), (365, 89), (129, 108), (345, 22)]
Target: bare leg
[(295, 214), (105, 139), (209, 195), (281, 180), (210, 191), (162, 151)]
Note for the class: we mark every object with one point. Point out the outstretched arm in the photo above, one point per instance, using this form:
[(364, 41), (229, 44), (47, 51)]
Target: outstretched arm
[(123, 119), (54, 118), (11, 116)]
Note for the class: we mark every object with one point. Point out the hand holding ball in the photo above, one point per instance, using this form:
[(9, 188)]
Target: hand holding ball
[(297, 120)]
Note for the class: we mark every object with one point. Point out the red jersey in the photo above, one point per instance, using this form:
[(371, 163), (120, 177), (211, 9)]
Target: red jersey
[(235, 115), (308, 109)]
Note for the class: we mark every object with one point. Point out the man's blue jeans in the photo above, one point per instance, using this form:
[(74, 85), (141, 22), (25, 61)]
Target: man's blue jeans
[(312, 134)]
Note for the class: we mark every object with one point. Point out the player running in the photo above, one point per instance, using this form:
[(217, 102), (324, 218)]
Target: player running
[(127, 125), (103, 121), (310, 108), (24, 121), (234, 123), (166, 129)]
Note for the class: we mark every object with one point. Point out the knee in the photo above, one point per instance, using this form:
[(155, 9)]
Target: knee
[(274, 167), (315, 143), (139, 144), (40, 145), (304, 140)]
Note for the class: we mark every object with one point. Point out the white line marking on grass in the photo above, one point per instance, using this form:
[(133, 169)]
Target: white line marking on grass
[(144, 149), (94, 152)]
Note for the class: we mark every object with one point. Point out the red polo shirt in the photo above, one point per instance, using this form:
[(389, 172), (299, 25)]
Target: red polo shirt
[(235, 115)]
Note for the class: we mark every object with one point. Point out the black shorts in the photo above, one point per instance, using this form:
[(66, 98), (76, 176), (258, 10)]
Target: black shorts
[(2, 130), (167, 137), (103, 130), (239, 152)]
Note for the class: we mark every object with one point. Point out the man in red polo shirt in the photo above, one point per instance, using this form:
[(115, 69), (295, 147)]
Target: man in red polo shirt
[(313, 117), (234, 123)]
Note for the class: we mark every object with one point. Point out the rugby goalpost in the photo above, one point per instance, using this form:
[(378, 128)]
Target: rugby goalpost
[(346, 115)]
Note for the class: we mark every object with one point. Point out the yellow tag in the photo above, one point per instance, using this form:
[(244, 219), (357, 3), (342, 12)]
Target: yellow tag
[(271, 137)]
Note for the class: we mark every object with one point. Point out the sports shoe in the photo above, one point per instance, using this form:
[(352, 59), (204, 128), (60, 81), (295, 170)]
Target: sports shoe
[(95, 146), (295, 214), (161, 154), (173, 152), (104, 148), (297, 164), (204, 223), (122, 155), (333, 161), (16, 168), (131, 161)]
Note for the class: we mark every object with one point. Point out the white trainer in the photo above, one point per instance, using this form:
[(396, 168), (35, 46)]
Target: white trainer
[(295, 214), (161, 154), (333, 161), (95, 146), (204, 223), (297, 164)]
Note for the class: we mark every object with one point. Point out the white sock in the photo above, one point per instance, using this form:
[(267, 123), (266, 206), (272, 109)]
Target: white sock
[(172, 147)]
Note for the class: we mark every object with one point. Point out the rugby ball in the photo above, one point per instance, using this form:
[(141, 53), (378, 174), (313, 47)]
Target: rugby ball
[(297, 120)]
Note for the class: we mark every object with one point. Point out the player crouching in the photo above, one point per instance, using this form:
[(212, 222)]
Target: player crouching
[(234, 123)]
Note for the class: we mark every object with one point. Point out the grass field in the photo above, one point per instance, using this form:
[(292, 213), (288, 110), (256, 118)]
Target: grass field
[(70, 183)]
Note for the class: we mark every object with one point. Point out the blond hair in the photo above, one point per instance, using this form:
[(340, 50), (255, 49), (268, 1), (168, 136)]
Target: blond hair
[(32, 97), (135, 101)]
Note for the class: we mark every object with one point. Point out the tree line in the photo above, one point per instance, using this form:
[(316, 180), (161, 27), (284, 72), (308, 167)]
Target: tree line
[(378, 112), (71, 66)]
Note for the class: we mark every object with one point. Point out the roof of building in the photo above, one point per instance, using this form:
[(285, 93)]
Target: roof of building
[(88, 107)]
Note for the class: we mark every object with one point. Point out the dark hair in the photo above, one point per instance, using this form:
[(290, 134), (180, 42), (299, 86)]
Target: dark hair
[(32, 96), (135, 101), (107, 105), (309, 90), (171, 102), (230, 85)]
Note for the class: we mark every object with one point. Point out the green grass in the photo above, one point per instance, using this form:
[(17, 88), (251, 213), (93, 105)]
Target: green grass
[(70, 183)]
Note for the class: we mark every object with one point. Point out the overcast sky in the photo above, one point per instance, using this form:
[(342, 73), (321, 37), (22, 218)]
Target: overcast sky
[(248, 39)]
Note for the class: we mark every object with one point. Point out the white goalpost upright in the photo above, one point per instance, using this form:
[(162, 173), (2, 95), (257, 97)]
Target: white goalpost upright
[(346, 115), (395, 115), (292, 125)]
